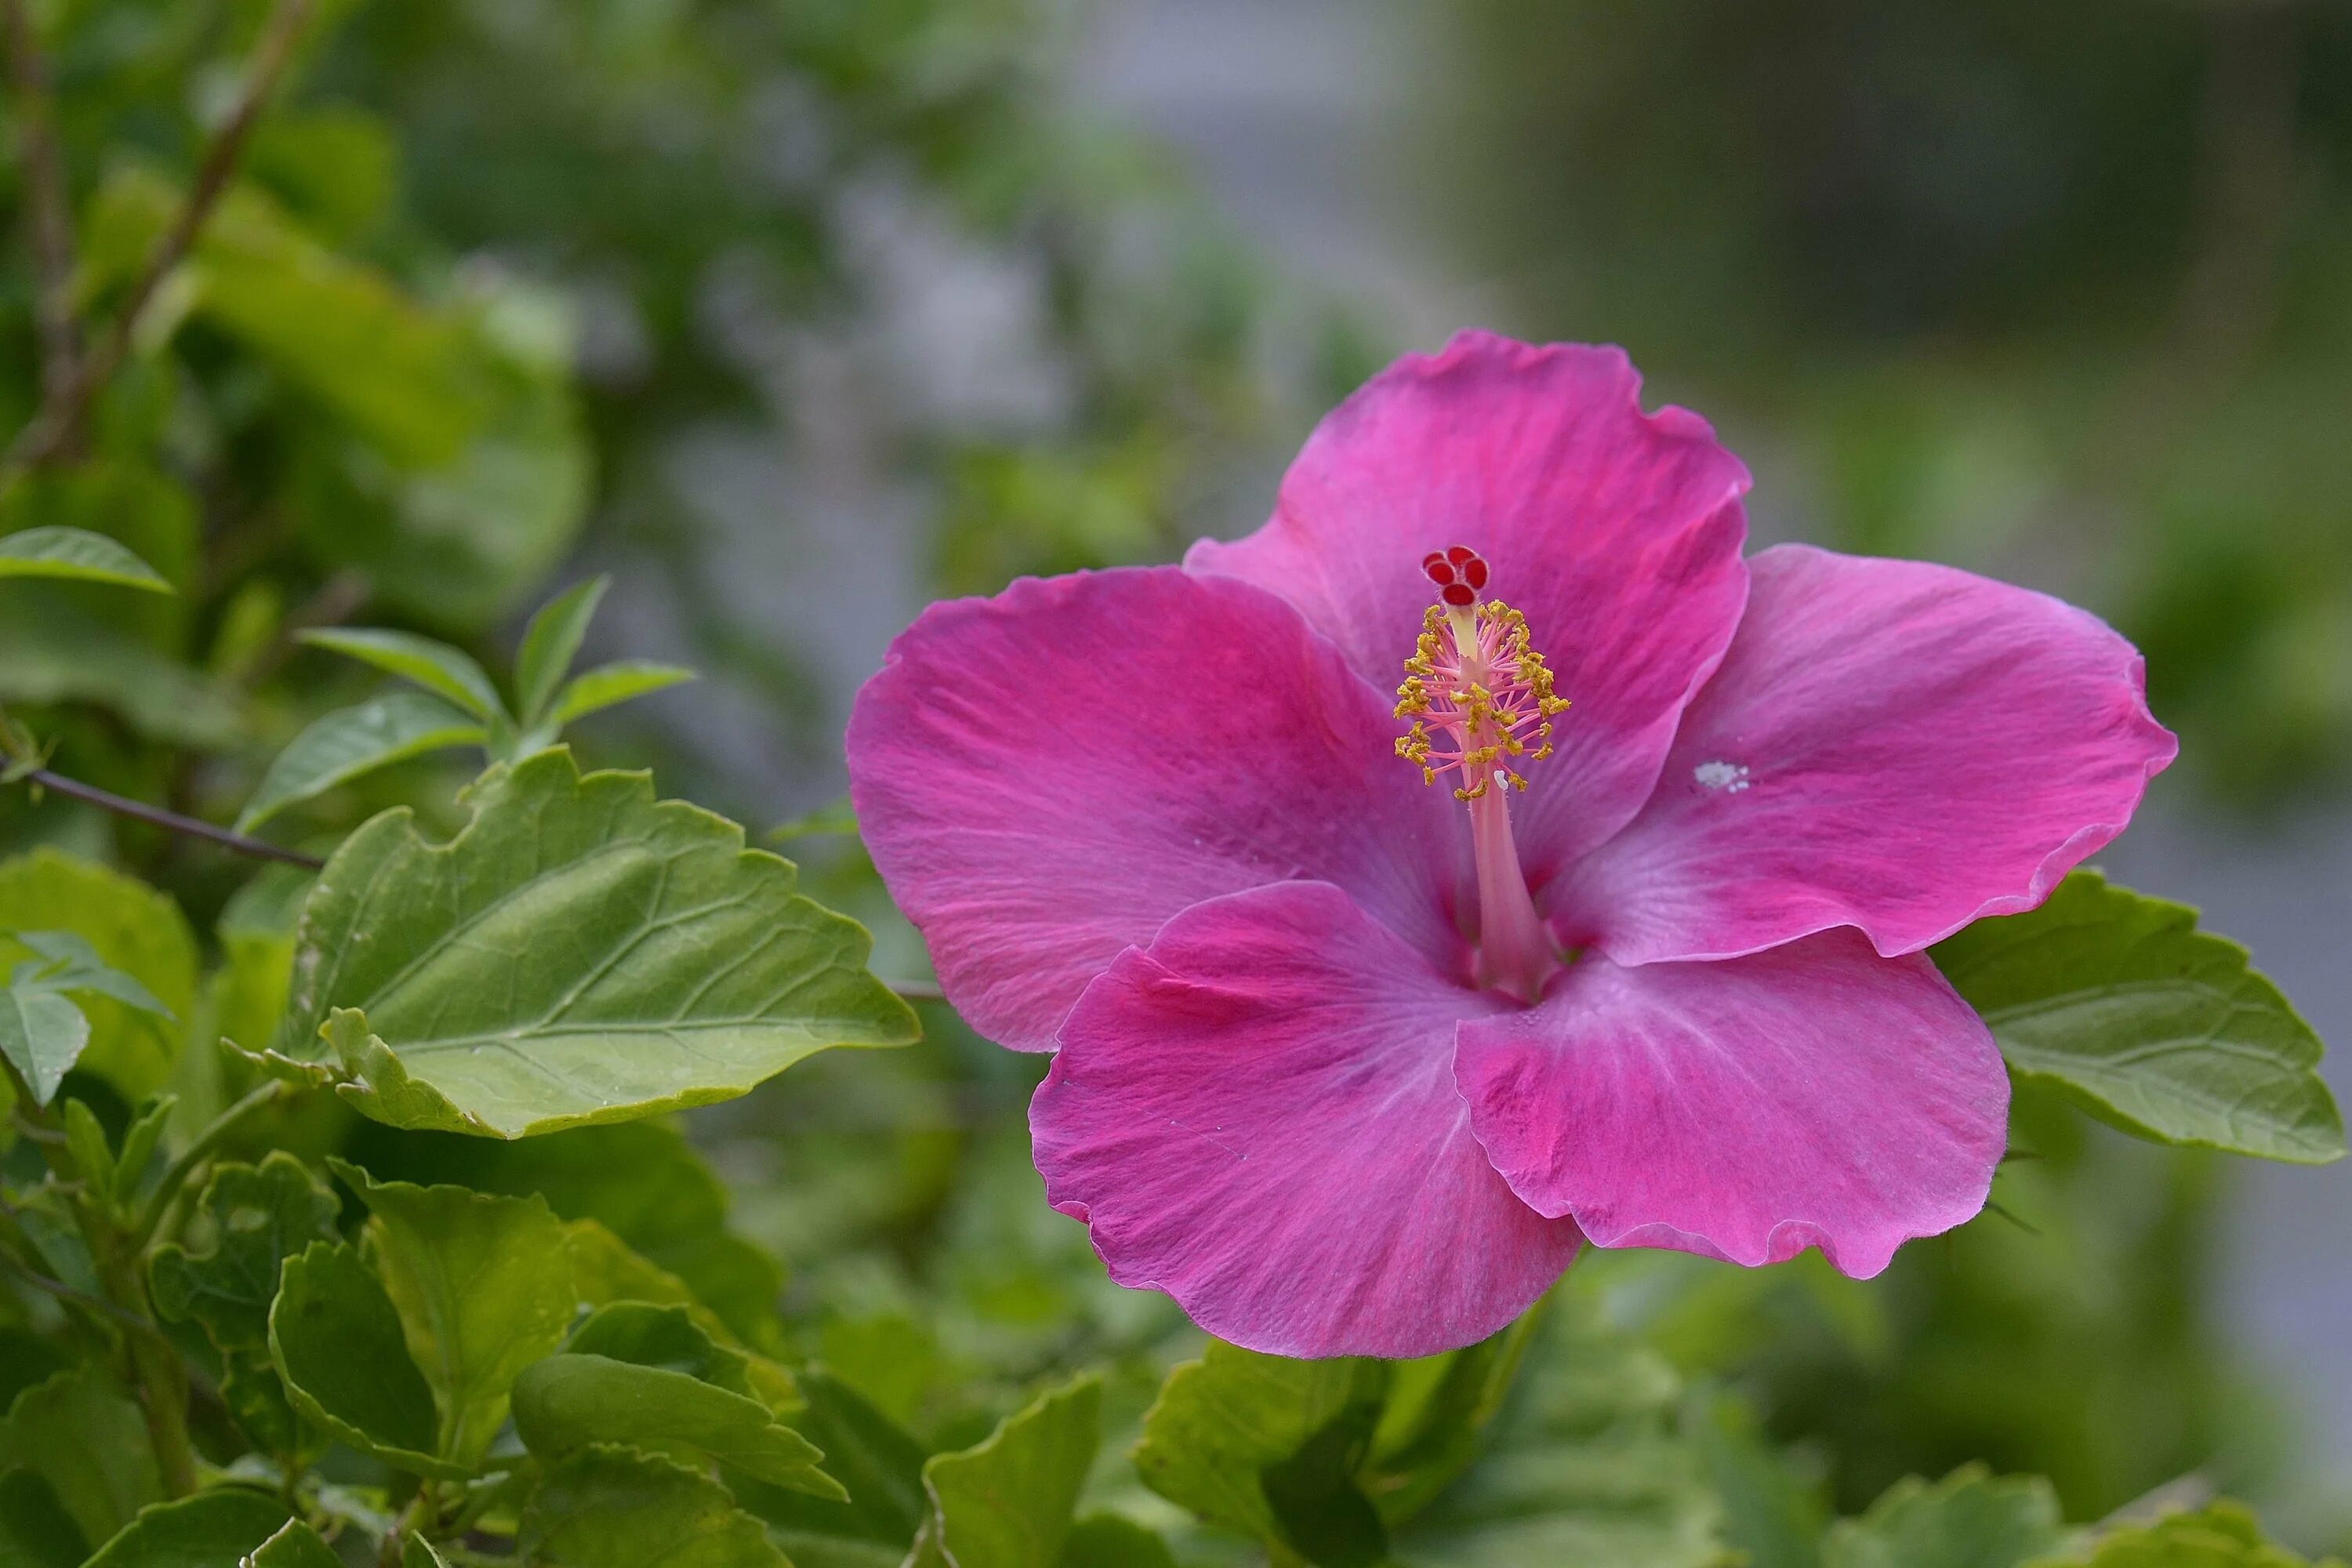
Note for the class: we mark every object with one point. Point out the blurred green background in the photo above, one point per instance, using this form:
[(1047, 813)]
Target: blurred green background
[(794, 314)]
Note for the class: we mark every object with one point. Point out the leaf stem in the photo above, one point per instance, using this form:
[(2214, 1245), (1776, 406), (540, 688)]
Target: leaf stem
[(172, 820), (60, 417), (198, 1150)]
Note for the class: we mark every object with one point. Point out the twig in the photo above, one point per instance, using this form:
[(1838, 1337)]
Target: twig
[(47, 212), (65, 1292), (917, 990), (61, 412), (171, 820)]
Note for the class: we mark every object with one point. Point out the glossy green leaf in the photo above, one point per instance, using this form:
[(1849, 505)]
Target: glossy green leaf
[(687, 969), (448, 672), (42, 1033), (419, 1553), (36, 1530), (2219, 1535), (1111, 1540), (568, 1401), (611, 1507), (1970, 1518), (1007, 1501), (259, 1216), (211, 1530), (2122, 1005), (89, 1443), (131, 927), (550, 643), (1222, 1422), (609, 685), (340, 746), (337, 1341), (879, 1464), (77, 554), (296, 1545), (483, 1286)]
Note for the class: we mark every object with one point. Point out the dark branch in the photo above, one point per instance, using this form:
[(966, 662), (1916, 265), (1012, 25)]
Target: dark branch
[(171, 820), (62, 414), (47, 212)]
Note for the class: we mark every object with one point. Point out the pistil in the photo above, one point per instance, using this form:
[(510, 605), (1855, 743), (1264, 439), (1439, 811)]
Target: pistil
[(1476, 679)]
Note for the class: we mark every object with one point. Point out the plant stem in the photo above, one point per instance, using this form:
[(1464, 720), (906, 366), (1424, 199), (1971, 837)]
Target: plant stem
[(60, 417), (47, 212), (191, 826), (198, 1150)]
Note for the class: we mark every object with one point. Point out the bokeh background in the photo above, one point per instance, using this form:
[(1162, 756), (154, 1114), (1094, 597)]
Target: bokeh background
[(804, 312)]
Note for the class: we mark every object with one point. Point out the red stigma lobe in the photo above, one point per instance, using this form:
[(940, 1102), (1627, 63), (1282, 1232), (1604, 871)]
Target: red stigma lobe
[(1461, 596)]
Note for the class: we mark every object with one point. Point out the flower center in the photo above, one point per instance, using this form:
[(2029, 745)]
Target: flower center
[(1480, 698)]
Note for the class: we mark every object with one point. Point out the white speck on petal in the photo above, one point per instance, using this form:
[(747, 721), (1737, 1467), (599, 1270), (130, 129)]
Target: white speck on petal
[(1730, 777)]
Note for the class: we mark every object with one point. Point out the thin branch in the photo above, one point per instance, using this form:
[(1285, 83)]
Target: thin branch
[(47, 212), (65, 1292), (62, 414), (917, 990), (170, 820)]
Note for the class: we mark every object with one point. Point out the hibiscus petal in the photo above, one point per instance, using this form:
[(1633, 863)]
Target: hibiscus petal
[(1258, 1116), (1815, 1095), (1046, 777), (1617, 533), (1889, 744)]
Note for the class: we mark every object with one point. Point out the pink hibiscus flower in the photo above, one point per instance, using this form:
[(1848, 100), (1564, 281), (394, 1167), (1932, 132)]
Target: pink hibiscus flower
[(1348, 1064)]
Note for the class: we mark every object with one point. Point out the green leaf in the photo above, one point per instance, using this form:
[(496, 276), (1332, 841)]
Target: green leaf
[(419, 1553), (645, 1334), (340, 746), (642, 1179), (132, 928), (70, 963), (1585, 1464), (1006, 1502), (2119, 1003), (42, 1033), (611, 1507), (296, 1545), (36, 1530), (210, 1529), (1769, 1514), (609, 685), (256, 941), (550, 643), (78, 554), (606, 1271), (85, 1141), (1970, 1518), (1109, 1540), (337, 1341), (2219, 1535), (689, 969), (89, 1444), (437, 667), (568, 1401), (878, 1462), (1222, 1422), (259, 1215), (1433, 1422), (483, 1286)]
